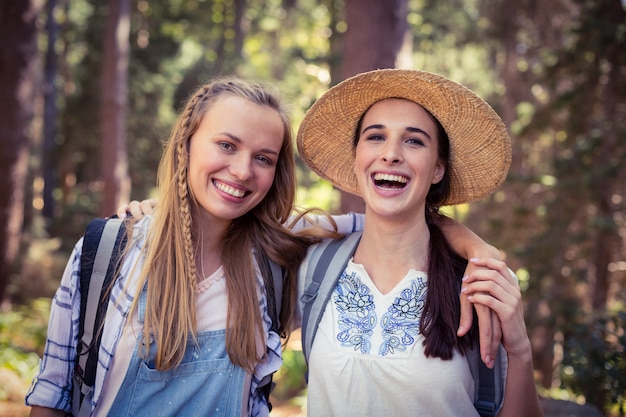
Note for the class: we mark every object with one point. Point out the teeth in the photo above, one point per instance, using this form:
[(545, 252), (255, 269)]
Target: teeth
[(389, 177), (229, 190)]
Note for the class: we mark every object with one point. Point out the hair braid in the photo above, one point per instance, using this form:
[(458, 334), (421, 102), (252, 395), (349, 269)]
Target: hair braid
[(185, 209), (196, 105), (170, 269)]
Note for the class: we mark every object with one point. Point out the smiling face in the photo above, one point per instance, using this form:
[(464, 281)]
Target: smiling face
[(396, 158), (233, 156)]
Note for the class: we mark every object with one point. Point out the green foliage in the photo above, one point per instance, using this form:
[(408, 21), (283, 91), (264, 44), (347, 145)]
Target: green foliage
[(595, 351), (22, 339), (290, 379), (25, 327)]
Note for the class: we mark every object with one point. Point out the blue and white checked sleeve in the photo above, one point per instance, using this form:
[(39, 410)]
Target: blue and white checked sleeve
[(52, 386)]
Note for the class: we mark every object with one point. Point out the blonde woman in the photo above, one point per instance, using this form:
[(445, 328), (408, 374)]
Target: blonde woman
[(187, 331)]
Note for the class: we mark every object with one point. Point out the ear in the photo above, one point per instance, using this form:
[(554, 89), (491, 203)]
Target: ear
[(440, 170)]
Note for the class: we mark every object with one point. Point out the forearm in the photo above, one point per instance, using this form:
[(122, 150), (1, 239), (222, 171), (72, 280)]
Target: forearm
[(465, 242), (520, 397), (37, 411)]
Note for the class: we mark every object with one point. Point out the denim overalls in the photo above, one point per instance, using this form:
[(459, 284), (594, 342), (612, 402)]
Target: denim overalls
[(206, 383)]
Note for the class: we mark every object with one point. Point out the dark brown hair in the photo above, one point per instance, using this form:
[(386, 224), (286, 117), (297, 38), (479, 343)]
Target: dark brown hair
[(442, 310)]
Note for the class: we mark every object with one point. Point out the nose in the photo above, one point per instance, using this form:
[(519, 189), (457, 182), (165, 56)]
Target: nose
[(391, 152), (241, 168)]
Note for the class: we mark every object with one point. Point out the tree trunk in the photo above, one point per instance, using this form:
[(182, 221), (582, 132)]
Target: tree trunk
[(49, 112), (18, 58), (366, 49), (113, 109)]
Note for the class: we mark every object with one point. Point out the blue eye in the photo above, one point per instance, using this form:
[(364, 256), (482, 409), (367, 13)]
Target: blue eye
[(265, 160)]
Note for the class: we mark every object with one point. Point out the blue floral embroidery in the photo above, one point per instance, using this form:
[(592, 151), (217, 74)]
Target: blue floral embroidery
[(357, 317), (400, 324)]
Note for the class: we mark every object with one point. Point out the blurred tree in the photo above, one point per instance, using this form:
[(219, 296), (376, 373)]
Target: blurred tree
[(583, 207), (364, 49), (50, 111), (113, 107), (18, 83), (561, 68)]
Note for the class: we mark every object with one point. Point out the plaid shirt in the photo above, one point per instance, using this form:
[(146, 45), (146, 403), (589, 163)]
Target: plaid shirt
[(52, 387)]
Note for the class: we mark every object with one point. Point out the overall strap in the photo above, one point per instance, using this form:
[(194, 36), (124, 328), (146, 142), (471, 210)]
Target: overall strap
[(326, 263), (103, 242)]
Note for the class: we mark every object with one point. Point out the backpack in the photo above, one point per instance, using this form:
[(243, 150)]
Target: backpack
[(103, 244), (329, 259)]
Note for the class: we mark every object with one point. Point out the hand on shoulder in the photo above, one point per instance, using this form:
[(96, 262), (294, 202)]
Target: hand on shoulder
[(137, 209), (494, 286)]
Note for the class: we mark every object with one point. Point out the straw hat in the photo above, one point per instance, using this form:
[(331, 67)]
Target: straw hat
[(480, 147)]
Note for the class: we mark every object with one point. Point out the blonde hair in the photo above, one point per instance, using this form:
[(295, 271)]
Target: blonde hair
[(170, 269)]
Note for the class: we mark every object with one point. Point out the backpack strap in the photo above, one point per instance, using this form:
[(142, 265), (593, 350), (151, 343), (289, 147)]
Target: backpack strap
[(488, 383), (326, 264), (273, 279), (103, 243)]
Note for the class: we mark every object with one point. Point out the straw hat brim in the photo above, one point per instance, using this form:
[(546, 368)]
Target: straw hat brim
[(480, 147)]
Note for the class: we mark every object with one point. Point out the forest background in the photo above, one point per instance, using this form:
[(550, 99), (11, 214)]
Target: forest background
[(90, 88)]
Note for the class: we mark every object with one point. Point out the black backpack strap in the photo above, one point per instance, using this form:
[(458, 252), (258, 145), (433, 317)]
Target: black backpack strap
[(488, 383), (326, 264), (103, 242), (486, 402), (273, 279)]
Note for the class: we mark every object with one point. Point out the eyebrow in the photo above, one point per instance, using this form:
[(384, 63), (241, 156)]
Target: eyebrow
[(238, 140), (408, 129)]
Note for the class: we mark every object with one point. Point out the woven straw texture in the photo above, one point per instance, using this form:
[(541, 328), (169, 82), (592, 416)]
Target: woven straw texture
[(480, 147)]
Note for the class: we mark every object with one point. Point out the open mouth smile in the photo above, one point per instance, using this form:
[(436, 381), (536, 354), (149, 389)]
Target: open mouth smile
[(389, 181), (232, 191)]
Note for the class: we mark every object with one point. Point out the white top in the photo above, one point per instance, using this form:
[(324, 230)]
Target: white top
[(367, 358)]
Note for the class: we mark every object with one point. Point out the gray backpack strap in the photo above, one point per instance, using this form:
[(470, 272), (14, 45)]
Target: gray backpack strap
[(326, 264), (489, 384), (82, 392)]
